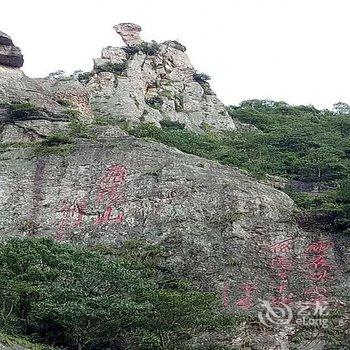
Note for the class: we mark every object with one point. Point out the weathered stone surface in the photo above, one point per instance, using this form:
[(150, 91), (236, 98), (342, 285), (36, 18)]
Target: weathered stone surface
[(15, 86), (175, 44), (155, 86), (5, 39), (220, 228), (130, 33), (72, 93), (113, 54), (10, 55)]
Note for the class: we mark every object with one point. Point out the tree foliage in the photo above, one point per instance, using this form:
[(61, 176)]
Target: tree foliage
[(82, 298)]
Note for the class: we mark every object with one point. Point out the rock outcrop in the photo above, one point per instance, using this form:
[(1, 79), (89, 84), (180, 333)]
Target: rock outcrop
[(5, 39), (10, 55), (130, 33), (71, 93), (37, 115), (150, 82), (31, 109)]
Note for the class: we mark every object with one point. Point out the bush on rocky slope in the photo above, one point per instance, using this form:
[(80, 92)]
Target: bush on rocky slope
[(91, 298)]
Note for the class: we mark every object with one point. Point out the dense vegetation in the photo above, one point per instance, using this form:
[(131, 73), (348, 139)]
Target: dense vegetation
[(102, 297), (308, 147)]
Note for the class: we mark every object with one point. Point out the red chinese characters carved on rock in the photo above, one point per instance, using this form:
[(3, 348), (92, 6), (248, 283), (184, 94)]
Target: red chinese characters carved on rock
[(317, 294), (285, 246), (246, 302), (74, 210), (72, 215), (282, 266), (319, 247), (109, 184), (109, 193), (282, 263), (320, 271)]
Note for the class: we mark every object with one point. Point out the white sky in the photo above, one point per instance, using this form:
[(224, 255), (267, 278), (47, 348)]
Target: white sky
[(292, 50)]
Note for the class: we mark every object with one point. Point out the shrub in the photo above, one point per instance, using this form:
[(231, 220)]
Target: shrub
[(150, 49), (84, 77), (102, 121), (63, 144), (22, 110), (60, 75), (79, 298), (73, 113), (155, 102), (201, 77), (56, 140), (171, 125), (77, 129), (117, 68), (306, 146), (131, 50)]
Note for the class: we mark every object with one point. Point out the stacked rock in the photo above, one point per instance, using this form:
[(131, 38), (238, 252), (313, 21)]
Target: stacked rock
[(10, 55), (130, 33)]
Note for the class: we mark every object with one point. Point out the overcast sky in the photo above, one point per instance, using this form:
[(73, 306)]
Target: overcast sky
[(291, 50)]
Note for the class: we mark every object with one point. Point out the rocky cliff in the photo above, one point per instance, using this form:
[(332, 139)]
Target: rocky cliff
[(221, 228)]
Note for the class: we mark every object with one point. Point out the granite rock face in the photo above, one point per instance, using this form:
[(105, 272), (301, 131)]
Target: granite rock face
[(10, 55), (41, 115), (150, 82), (71, 93)]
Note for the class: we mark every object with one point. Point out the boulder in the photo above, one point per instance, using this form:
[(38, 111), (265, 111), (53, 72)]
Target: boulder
[(10, 55), (69, 92), (5, 39), (130, 33), (175, 44), (114, 54)]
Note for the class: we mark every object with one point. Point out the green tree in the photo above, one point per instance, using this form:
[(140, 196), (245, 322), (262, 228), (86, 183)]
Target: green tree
[(79, 298)]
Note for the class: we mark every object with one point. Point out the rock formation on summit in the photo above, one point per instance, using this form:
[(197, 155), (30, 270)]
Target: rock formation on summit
[(150, 82), (130, 33), (10, 55)]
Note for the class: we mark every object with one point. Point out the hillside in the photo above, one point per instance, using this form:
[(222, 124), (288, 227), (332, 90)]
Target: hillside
[(299, 149), (138, 212)]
